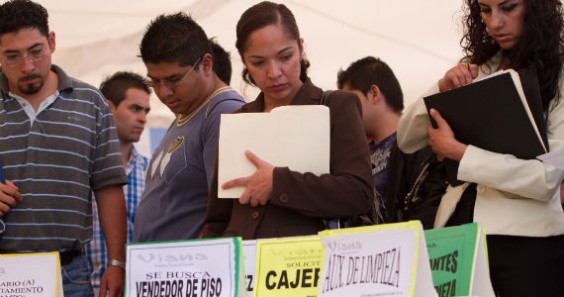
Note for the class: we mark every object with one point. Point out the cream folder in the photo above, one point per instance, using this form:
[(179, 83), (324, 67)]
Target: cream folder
[(294, 136)]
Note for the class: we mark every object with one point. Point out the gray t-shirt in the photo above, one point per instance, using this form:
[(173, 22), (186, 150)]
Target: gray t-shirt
[(173, 205)]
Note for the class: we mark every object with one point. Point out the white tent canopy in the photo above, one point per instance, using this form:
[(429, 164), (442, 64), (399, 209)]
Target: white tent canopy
[(418, 39)]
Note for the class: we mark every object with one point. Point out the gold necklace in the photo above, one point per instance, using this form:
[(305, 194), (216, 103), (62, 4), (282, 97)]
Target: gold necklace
[(180, 120)]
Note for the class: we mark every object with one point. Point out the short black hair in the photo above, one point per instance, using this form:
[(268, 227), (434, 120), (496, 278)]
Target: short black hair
[(115, 86), (21, 14), (174, 38), (221, 62), (368, 71)]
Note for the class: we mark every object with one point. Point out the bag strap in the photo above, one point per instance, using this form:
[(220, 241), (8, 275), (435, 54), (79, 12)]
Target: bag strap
[(411, 197)]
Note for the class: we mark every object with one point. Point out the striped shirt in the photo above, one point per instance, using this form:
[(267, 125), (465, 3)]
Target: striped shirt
[(70, 149), (96, 250)]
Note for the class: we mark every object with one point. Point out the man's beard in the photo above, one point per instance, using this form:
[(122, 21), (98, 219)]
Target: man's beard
[(30, 89)]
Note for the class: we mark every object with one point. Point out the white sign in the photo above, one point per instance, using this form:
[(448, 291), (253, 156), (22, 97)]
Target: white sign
[(30, 275), (250, 254), (554, 158), (385, 260), (195, 268)]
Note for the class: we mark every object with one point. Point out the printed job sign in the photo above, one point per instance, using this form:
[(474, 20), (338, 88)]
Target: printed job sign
[(249, 255), (458, 261), (30, 275), (382, 260), (194, 268), (288, 266)]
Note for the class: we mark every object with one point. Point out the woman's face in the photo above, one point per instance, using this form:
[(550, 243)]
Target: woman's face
[(504, 20), (273, 61)]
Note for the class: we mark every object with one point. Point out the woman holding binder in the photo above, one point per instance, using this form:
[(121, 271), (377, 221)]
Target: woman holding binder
[(277, 201), (517, 201)]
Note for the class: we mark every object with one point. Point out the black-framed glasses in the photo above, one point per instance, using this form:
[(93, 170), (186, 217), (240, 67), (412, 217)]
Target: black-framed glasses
[(15, 59), (171, 83)]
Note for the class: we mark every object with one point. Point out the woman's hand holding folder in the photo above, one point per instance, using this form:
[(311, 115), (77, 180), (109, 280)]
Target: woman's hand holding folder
[(458, 76), (442, 140)]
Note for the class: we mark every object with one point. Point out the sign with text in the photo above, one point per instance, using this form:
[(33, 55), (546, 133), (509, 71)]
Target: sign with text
[(30, 275), (195, 268), (380, 260), (458, 261), (288, 266), (249, 254)]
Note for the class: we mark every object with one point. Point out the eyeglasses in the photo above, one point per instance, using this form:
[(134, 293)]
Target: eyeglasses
[(170, 83), (16, 59)]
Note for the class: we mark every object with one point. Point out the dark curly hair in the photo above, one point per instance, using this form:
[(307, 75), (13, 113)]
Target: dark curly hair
[(21, 14), (174, 38), (114, 87), (261, 15), (541, 44)]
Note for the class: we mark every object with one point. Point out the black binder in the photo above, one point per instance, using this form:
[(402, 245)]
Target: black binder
[(491, 115)]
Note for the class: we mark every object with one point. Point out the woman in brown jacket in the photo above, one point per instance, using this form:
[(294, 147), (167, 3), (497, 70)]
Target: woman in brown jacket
[(277, 201)]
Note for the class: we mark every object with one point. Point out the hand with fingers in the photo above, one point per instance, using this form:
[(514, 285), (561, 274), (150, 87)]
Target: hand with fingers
[(112, 283), (258, 186), (442, 139), (9, 196), (457, 76)]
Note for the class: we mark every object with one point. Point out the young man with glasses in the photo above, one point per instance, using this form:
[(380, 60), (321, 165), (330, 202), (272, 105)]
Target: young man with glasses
[(179, 61), (58, 145)]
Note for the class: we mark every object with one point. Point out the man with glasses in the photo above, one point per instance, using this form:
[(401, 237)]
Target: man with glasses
[(58, 145), (179, 61)]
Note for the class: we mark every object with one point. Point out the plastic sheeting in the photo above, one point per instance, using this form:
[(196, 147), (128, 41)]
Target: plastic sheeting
[(418, 39)]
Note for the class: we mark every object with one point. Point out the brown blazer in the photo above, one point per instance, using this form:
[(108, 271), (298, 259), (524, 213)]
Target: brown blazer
[(300, 200)]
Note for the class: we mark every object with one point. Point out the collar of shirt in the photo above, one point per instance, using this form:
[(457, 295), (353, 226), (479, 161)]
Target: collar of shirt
[(28, 108)]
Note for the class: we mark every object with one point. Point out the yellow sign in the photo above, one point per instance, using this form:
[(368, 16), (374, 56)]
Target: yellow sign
[(288, 266)]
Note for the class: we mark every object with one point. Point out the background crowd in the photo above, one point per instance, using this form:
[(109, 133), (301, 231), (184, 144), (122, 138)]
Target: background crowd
[(66, 144)]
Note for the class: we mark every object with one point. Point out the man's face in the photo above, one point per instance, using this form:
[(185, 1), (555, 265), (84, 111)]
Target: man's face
[(181, 88), (25, 57), (130, 116), (364, 103)]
